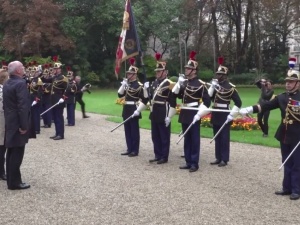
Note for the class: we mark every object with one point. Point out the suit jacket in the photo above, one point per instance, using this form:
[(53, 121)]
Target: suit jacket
[(16, 105), (2, 122)]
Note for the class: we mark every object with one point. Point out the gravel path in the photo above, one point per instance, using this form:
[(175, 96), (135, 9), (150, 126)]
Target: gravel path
[(84, 180)]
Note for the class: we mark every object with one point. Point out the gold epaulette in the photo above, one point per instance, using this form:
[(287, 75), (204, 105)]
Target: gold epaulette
[(40, 82), (65, 79)]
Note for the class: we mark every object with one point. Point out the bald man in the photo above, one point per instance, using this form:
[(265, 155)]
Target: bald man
[(16, 105)]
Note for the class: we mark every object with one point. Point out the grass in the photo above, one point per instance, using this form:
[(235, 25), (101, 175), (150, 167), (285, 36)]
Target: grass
[(103, 102)]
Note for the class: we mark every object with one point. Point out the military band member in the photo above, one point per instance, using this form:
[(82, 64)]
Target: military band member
[(162, 99), (36, 90), (222, 92), (58, 87), (46, 96), (192, 91), (288, 131), (70, 98), (133, 92)]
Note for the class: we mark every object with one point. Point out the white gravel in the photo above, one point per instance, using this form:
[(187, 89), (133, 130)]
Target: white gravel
[(83, 179)]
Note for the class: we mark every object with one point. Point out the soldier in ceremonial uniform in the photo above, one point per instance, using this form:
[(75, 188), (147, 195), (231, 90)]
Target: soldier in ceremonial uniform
[(46, 97), (222, 92), (288, 131), (36, 90), (70, 98), (162, 105), (135, 102), (192, 91), (58, 88)]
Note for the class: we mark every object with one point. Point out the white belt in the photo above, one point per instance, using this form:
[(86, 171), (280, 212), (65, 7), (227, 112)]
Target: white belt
[(220, 105), (158, 102), (190, 104), (129, 103)]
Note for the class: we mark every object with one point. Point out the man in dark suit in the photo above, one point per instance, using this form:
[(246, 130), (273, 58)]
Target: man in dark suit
[(79, 94), (16, 105)]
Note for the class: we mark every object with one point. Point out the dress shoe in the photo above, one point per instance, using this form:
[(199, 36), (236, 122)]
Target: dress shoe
[(216, 162), (182, 156), (184, 167), (132, 154), (85, 116), (294, 196), (58, 138), (153, 160), (222, 163), (162, 161), (37, 132), (19, 187), (3, 177), (125, 153), (46, 126), (70, 125), (283, 192), (193, 169), (52, 137)]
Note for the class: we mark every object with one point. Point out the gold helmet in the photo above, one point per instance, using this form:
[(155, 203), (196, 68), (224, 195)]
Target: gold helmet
[(4, 65), (70, 72), (222, 69), (132, 68), (292, 74), (57, 64), (192, 64), (160, 66)]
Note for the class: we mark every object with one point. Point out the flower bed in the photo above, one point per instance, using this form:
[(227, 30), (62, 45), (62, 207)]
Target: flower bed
[(239, 123)]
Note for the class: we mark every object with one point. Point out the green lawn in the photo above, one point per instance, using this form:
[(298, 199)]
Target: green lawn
[(103, 102)]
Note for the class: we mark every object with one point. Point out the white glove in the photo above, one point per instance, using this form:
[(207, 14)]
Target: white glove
[(247, 110), (33, 103), (167, 121), (234, 111), (229, 118), (176, 88), (203, 110), (211, 90), (136, 113), (214, 82), (181, 80), (61, 100), (146, 84), (196, 118), (124, 82)]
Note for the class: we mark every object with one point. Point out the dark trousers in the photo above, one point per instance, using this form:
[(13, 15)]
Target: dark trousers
[(222, 142), (71, 113), (47, 117), (36, 110), (262, 120), (161, 139), (2, 159), (14, 158), (82, 105), (132, 135), (192, 144), (291, 177), (58, 117)]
